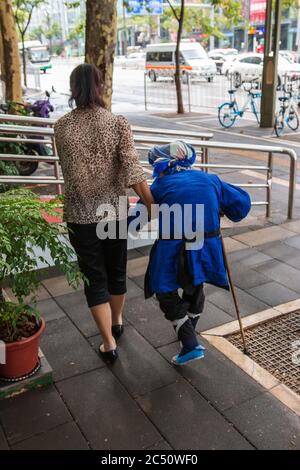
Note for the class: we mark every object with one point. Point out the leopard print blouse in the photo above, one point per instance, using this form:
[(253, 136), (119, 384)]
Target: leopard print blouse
[(99, 162)]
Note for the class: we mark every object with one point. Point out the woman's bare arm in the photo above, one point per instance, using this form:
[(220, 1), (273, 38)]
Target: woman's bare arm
[(143, 191)]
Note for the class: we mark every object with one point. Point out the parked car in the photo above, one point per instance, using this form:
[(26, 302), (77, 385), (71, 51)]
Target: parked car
[(136, 60), (219, 56), (250, 66), (160, 61)]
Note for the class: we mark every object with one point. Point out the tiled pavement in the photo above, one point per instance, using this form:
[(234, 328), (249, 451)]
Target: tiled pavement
[(143, 402)]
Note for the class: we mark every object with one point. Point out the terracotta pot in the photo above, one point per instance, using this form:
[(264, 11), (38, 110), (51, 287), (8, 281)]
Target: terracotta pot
[(22, 356)]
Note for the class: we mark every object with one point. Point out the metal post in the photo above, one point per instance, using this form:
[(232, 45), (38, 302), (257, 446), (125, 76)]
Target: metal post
[(292, 182), (145, 91), (269, 83), (269, 183), (189, 92), (56, 166)]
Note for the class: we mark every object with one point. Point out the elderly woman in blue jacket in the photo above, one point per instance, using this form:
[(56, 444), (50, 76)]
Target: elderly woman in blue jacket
[(182, 260)]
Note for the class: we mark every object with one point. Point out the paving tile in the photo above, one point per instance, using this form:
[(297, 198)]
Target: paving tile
[(137, 267), (211, 317), (42, 294), (50, 310), (32, 413), (139, 280), (67, 351), (273, 293), (145, 250), (149, 321), (247, 303), (134, 253), (283, 252), (3, 441), (245, 278), (58, 286), (217, 379), (263, 235), (140, 368), (106, 414), (133, 290), (242, 254), (294, 242), (75, 306), (161, 445), (181, 414), (64, 437), (282, 273), (233, 245), (293, 226), (267, 423), (255, 259)]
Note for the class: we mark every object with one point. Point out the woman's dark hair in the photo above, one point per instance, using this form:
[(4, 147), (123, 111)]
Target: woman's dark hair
[(87, 86)]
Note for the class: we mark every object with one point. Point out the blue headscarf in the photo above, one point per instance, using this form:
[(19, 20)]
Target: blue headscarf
[(176, 156)]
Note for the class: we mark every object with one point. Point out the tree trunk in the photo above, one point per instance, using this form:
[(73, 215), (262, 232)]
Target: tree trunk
[(100, 42), (180, 107), (10, 65)]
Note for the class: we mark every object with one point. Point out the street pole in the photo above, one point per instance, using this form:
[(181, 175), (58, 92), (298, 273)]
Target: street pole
[(269, 83), (125, 44), (298, 28)]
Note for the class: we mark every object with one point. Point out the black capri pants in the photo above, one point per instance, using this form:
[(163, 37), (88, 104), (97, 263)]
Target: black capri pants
[(103, 262)]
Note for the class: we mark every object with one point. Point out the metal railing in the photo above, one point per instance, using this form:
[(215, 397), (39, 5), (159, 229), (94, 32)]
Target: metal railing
[(143, 142)]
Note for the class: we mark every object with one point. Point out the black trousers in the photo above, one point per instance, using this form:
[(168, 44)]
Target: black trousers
[(103, 263), (176, 307)]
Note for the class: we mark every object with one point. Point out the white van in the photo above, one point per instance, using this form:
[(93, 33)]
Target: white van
[(160, 61)]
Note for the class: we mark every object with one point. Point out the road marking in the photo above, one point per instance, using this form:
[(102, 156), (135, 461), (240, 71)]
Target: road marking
[(275, 180)]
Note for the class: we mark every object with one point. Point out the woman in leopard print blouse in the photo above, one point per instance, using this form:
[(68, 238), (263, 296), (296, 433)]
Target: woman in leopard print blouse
[(99, 162)]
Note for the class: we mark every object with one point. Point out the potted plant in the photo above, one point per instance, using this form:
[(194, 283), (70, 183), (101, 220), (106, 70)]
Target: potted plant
[(24, 230)]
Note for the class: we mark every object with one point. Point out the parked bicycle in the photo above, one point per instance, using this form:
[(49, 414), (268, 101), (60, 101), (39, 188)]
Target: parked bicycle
[(287, 114), (230, 110)]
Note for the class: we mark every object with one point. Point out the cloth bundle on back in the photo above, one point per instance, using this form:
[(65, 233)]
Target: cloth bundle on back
[(171, 266)]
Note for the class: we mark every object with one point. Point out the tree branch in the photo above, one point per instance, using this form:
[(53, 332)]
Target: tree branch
[(174, 11)]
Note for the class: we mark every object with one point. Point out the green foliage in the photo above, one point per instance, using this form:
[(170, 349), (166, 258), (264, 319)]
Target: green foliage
[(22, 230), (78, 30), (53, 31), (7, 168), (195, 17), (23, 10)]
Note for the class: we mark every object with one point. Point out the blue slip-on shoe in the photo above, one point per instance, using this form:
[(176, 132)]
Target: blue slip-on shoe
[(182, 359)]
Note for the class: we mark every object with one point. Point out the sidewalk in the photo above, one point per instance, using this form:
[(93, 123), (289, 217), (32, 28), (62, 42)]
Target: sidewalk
[(143, 402)]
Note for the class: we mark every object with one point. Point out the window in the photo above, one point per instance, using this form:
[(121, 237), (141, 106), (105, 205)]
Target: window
[(152, 56), (246, 60), (166, 56), (256, 60)]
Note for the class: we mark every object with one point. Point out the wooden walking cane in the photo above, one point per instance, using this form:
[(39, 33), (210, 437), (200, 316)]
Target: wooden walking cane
[(232, 290)]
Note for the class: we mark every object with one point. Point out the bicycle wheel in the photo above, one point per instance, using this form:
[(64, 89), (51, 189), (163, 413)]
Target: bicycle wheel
[(279, 123), (293, 119), (226, 115)]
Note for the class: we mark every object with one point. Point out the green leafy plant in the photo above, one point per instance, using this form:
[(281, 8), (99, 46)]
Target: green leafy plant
[(23, 230)]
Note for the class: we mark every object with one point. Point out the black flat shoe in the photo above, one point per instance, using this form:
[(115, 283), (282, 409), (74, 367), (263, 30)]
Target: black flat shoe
[(117, 331), (109, 357)]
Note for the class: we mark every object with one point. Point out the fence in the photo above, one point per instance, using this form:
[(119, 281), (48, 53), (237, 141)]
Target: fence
[(203, 96), (144, 138)]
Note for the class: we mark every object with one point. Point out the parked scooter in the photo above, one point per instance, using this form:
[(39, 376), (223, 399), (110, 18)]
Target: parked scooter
[(40, 108)]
